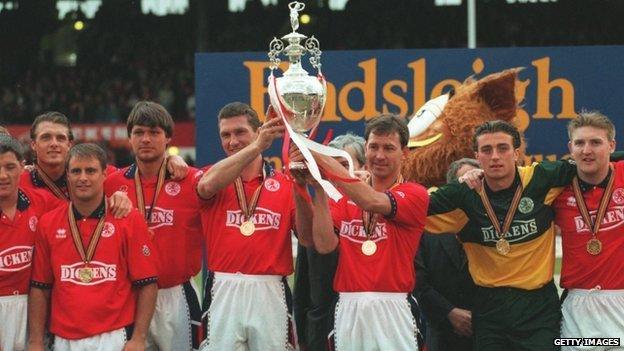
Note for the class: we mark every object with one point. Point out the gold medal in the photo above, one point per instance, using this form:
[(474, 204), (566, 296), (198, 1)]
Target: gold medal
[(502, 246), (369, 248), (594, 246), (247, 228), (85, 274)]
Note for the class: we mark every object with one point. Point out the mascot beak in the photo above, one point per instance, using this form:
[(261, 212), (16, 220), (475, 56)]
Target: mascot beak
[(424, 118)]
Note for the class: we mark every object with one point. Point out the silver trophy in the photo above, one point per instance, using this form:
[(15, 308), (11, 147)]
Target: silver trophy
[(296, 96)]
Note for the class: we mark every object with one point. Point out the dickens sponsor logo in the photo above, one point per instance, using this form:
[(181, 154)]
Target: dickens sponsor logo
[(519, 230), (354, 231), (262, 218), (160, 217), (15, 258), (100, 273), (613, 218)]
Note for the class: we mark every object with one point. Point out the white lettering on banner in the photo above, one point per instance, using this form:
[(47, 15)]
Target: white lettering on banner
[(262, 218), (354, 231), (102, 272), (15, 258), (613, 218)]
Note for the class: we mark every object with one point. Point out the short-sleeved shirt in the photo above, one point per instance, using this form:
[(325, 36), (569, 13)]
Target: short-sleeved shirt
[(268, 251), (391, 267), (123, 258), (174, 222), (579, 269), (455, 208), (17, 237)]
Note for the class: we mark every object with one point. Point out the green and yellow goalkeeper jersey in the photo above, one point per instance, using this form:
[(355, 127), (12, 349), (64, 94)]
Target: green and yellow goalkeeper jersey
[(455, 208)]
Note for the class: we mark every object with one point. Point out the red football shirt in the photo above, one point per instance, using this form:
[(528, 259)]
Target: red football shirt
[(391, 268), (580, 269), (123, 258), (268, 250), (17, 237), (174, 221)]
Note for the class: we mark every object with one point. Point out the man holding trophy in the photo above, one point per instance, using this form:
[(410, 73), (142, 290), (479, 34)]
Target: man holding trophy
[(248, 214)]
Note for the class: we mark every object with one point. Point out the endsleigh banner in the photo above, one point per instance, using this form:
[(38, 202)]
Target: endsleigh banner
[(555, 84)]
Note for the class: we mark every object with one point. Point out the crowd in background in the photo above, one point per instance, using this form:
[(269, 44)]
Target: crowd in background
[(123, 56)]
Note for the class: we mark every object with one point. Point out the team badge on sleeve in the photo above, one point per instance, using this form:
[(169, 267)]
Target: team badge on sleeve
[(146, 250)]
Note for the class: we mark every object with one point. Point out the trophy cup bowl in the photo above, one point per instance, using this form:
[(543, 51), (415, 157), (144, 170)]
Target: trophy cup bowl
[(301, 96)]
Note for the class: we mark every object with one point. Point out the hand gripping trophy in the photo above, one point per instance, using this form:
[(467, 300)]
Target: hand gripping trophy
[(298, 98)]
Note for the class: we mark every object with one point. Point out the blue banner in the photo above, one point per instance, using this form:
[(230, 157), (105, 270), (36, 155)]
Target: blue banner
[(556, 83)]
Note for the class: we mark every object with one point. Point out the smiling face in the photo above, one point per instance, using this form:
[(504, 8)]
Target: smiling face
[(384, 154), (51, 143), (591, 148), (85, 178), (497, 155), (235, 133), (10, 171)]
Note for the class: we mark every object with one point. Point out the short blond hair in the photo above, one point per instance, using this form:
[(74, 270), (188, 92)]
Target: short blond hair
[(592, 119)]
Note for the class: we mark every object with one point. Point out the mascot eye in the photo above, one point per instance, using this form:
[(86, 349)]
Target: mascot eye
[(426, 115)]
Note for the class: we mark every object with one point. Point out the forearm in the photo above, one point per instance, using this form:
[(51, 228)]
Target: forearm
[(364, 196), (324, 238), (146, 300), (38, 300), (303, 220), (224, 172)]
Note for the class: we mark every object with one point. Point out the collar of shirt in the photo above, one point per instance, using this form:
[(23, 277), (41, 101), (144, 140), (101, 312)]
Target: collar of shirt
[(133, 167), (96, 214), (586, 186), (39, 183)]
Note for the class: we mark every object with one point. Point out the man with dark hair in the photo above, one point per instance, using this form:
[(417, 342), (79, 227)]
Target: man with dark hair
[(95, 274), (508, 235), (20, 211), (314, 273), (376, 227), (171, 209), (51, 137), (248, 215), (445, 290)]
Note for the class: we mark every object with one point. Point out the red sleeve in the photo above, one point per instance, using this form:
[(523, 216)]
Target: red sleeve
[(141, 253), (409, 204), (51, 202), (337, 211), (42, 274)]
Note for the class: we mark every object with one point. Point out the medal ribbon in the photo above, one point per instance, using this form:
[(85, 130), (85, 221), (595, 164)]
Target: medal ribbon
[(500, 232), (50, 184), (602, 209), (369, 219), (139, 190), (248, 209), (95, 236)]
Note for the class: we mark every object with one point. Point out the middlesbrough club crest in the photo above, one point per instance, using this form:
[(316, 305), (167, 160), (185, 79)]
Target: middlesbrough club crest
[(32, 223), (108, 230), (271, 185), (172, 188)]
